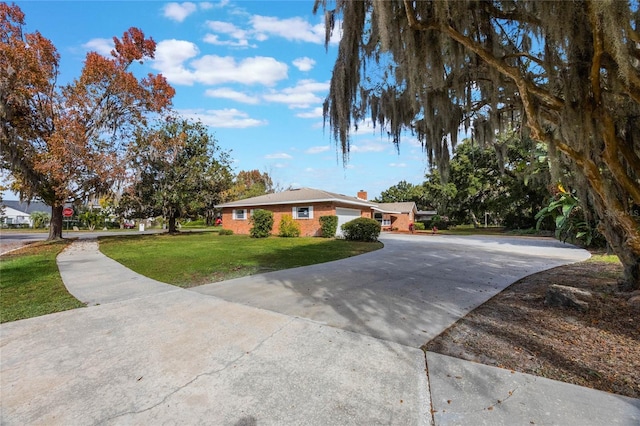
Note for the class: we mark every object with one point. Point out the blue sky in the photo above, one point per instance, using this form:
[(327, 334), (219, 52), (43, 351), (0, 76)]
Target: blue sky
[(255, 72)]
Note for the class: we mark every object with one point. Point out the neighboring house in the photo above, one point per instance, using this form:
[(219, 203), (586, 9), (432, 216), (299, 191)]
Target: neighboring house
[(307, 205), (425, 215), (19, 213), (395, 216)]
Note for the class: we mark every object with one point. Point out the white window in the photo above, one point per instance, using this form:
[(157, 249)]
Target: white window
[(386, 222), (240, 214), (305, 212)]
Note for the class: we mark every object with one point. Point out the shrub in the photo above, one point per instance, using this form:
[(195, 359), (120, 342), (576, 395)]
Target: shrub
[(440, 222), (328, 226), (262, 221), (419, 226), (225, 232), (361, 229), (288, 227)]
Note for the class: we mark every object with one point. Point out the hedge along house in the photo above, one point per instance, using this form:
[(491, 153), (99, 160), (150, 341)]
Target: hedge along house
[(304, 205)]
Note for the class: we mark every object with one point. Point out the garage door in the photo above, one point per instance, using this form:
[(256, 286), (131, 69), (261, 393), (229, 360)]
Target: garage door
[(344, 216)]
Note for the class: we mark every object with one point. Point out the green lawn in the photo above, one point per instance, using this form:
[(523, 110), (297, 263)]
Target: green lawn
[(193, 259), (30, 284)]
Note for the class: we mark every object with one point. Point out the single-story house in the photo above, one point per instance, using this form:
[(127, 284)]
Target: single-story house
[(425, 215), (19, 212), (395, 216), (307, 205)]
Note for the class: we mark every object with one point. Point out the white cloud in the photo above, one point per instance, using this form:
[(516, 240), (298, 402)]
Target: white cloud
[(169, 59), (103, 46), (226, 28), (215, 40), (304, 63), (227, 118), (314, 113), (317, 149), (397, 165), (227, 93), (302, 95), (294, 29), (279, 155), (171, 56), (213, 69), (205, 5), (179, 11), (240, 37), (365, 146)]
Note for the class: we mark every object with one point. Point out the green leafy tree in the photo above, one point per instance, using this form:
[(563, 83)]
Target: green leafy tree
[(178, 169), (509, 180), (403, 192), (40, 219), (566, 71), (91, 218), (251, 183)]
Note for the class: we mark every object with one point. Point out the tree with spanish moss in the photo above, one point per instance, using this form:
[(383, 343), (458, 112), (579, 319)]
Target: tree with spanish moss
[(65, 143), (567, 73)]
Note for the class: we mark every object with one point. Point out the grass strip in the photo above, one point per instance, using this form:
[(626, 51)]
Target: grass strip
[(30, 284), (188, 260)]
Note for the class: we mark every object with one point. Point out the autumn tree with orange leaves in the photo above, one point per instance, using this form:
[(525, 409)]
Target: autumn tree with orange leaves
[(65, 143)]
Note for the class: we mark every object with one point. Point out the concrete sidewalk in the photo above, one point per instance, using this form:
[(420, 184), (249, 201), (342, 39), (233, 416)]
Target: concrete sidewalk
[(93, 278), (152, 353)]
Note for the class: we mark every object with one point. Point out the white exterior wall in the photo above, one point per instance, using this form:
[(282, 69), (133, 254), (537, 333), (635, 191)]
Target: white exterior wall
[(16, 217)]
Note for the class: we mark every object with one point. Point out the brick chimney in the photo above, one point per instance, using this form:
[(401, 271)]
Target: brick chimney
[(362, 195)]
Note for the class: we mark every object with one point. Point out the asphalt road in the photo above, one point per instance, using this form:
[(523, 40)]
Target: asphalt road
[(13, 239)]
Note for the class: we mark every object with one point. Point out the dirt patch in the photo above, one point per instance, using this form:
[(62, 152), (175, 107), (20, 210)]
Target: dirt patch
[(598, 348)]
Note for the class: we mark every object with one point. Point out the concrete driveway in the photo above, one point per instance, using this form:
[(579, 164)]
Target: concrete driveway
[(332, 344), (407, 293)]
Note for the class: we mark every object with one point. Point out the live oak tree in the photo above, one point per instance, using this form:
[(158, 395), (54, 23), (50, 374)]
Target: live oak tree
[(250, 183), (404, 191), (65, 143), (178, 169), (567, 71)]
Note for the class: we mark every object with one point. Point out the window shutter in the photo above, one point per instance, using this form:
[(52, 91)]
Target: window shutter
[(310, 212), (294, 212)]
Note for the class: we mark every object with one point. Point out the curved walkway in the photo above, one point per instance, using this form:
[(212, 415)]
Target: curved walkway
[(328, 344)]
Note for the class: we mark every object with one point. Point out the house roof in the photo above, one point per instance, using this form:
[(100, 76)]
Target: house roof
[(297, 196), (404, 207), (23, 206)]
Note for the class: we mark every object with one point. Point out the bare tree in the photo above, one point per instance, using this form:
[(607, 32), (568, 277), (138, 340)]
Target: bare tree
[(567, 72)]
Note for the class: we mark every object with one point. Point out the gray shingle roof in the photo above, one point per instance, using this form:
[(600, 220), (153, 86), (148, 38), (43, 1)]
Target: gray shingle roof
[(34, 206), (295, 196), (404, 207)]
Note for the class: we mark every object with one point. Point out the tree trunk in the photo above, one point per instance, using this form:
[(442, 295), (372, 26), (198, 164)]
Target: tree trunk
[(55, 225), (476, 224), (623, 246), (172, 224), (209, 217)]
